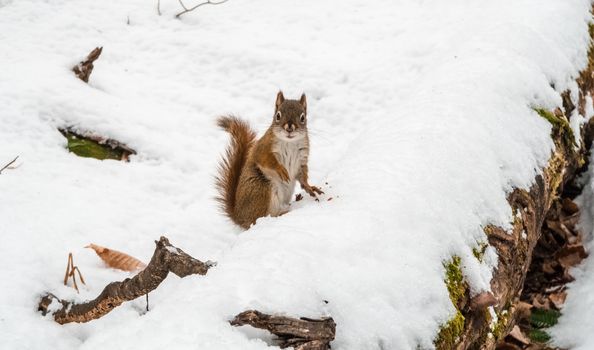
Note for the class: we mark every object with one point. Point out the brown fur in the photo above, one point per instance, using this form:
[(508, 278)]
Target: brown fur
[(242, 138), (250, 169)]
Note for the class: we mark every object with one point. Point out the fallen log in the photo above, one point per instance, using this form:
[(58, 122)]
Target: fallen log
[(166, 258), (301, 334), (483, 329)]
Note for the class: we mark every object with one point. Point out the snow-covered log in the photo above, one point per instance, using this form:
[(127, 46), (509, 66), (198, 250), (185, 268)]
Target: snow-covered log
[(482, 329)]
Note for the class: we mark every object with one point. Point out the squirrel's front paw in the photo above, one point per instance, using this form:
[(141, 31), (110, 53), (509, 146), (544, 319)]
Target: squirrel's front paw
[(313, 190), (283, 174)]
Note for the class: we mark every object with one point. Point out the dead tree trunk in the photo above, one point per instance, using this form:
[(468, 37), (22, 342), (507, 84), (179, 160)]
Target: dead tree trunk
[(166, 258), (530, 209)]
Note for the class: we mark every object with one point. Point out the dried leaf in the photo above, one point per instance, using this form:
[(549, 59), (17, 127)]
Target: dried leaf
[(571, 220), (518, 335), (559, 228), (569, 206), (558, 299), (549, 266), (542, 302), (523, 310), (508, 346), (116, 259), (571, 255)]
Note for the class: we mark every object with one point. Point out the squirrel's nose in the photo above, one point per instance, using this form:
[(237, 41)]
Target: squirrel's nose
[(289, 127)]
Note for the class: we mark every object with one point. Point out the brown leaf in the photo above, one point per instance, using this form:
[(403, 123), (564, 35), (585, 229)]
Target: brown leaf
[(116, 259), (559, 228), (558, 299), (571, 255), (571, 220), (523, 310), (508, 346), (569, 206), (549, 266), (518, 335), (540, 301)]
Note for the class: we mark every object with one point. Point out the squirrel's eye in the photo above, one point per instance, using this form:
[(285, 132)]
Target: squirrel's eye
[(302, 118), (278, 116)]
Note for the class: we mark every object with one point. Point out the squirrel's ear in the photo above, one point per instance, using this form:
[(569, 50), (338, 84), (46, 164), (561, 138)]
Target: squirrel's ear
[(303, 101), (279, 99)]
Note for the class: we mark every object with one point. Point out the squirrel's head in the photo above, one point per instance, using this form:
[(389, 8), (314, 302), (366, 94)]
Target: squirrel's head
[(290, 118)]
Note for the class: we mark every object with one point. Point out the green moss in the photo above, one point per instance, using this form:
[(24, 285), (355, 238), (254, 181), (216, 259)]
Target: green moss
[(91, 149), (499, 327), (455, 280), (450, 332), (560, 124), (479, 251)]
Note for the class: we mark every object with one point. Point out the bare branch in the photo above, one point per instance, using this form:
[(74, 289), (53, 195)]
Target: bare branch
[(7, 166), (209, 2), (302, 334), (182, 5), (166, 258), (159, 7), (70, 270)]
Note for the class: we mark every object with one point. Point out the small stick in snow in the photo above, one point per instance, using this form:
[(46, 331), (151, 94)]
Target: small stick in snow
[(8, 166), (84, 68), (301, 334), (209, 2), (166, 258), (70, 270)]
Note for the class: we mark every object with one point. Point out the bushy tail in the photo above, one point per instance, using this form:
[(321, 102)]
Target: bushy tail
[(242, 139)]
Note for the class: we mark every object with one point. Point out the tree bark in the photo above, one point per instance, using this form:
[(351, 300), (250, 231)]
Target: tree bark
[(301, 334), (530, 208), (166, 258)]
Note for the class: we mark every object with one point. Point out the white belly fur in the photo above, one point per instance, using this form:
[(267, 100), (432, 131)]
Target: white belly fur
[(291, 156)]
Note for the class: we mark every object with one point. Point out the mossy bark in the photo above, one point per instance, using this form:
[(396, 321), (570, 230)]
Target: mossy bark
[(530, 207)]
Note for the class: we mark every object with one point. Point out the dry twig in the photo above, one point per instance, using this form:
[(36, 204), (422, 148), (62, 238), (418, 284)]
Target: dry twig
[(166, 258), (8, 166), (301, 334), (70, 269), (186, 9)]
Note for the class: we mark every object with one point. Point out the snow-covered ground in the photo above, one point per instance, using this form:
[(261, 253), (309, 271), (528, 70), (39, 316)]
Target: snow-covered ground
[(575, 329), (421, 122)]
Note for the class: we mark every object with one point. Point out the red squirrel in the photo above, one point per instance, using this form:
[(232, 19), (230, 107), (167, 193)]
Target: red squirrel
[(257, 177)]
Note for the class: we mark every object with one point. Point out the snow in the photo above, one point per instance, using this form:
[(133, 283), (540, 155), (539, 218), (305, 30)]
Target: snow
[(575, 329), (420, 118)]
